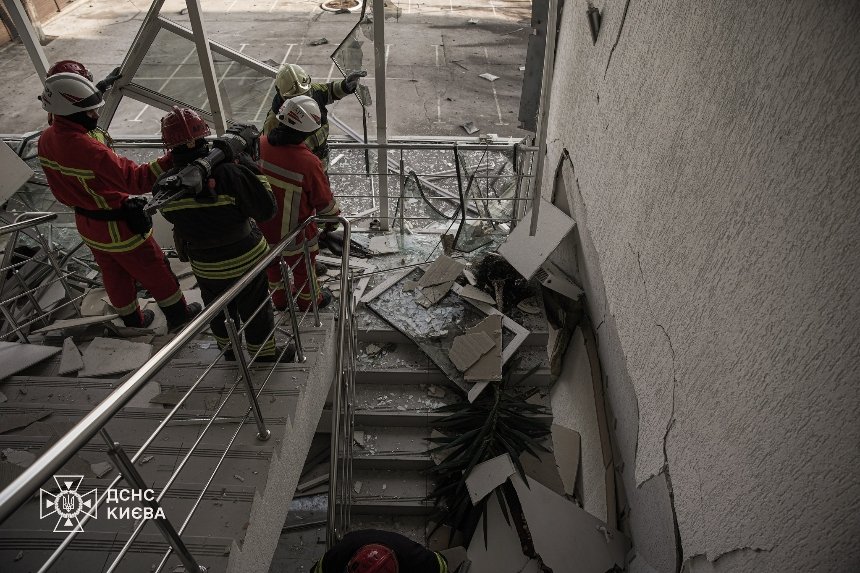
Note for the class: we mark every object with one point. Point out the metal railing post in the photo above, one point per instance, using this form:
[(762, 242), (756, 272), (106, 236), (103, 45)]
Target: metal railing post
[(291, 309), (131, 475), (402, 201), (263, 433), (312, 281)]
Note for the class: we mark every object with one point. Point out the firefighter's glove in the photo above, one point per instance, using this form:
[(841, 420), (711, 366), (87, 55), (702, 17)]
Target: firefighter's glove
[(350, 84), (330, 227), (105, 84)]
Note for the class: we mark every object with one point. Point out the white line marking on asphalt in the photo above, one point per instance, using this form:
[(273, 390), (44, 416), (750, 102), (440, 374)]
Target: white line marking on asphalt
[(167, 81), (437, 54), (387, 49), (438, 109), (493, 6), (230, 7), (330, 72), (275, 3), (267, 100)]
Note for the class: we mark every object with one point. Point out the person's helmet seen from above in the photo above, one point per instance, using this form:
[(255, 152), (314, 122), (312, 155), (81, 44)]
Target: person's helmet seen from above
[(68, 93), (182, 126), (69, 66), (301, 113), (373, 558), (292, 80)]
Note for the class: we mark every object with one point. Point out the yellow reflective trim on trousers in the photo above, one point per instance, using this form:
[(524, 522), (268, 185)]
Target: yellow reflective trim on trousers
[(172, 299), (85, 173), (119, 247), (231, 268), (443, 565), (128, 309), (220, 201)]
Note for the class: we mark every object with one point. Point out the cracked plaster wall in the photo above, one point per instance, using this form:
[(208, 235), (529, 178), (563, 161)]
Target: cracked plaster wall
[(714, 174)]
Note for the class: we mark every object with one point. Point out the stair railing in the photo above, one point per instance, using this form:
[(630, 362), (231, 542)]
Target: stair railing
[(56, 456)]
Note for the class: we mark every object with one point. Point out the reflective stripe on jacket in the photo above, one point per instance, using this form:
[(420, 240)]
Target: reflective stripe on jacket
[(301, 190), (83, 172)]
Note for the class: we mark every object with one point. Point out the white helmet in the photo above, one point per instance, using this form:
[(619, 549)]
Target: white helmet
[(301, 113), (67, 93), (292, 80)]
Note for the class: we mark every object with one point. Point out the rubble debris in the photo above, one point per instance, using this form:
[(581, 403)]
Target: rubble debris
[(335, 159), (76, 322), (145, 460), (19, 458), (487, 476), (167, 398), (472, 22), (489, 366), (498, 276), (384, 244), (313, 482), (359, 437), (527, 253), (71, 360), (565, 446), (543, 469), (356, 486), (442, 270), (489, 77), (15, 356), (529, 306), (93, 303), (20, 554), (52, 295), (372, 350), (3, 398), (551, 516), (503, 552), (238, 477), (318, 42), (470, 128), (106, 356), (470, 276), (522, 68), (469, 348), (101, 469), (435, 391), (475, 293), (9, 422)]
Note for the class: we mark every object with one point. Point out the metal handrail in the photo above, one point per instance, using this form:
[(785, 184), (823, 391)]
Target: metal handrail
[(38, 219), (29, 481)]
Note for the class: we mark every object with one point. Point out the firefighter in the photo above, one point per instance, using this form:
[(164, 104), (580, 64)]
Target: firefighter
[(375, 551), (301, 189), (291, 81), (85, 174), (218, 235), (74, 67)]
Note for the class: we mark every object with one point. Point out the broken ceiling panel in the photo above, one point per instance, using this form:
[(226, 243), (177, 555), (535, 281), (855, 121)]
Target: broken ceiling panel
[(71, 360), (15, 172), (565, 447), (489, 366), (111, 355), (563, 533), (15, 356), (442, 270), (474, 293), (76, 322), (527, 253), (502, 552), (487, 476)]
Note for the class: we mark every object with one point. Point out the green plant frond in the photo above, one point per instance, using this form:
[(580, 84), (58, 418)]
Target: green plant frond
[(503, 504)]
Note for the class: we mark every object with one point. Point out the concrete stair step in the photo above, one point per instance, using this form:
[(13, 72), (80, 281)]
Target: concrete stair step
[(386, 492)]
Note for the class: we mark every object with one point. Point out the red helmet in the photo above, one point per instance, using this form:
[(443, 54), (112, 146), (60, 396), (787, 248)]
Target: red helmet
[(182, 126), (373, 558), (70, 66)]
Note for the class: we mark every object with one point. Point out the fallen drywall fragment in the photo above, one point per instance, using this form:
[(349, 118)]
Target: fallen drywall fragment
[(101, 469), (71, 361), (15, 356), (110, 356), (384, 244), (442, 270), (470, 128), (475, 293), (489, 367), (488, 76), (76, 322), (469, 348), (565, 446), (93, 303), (487, 476), (9, 422)]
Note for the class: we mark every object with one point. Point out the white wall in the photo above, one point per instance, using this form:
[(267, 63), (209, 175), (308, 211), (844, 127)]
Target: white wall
[(715, 178)]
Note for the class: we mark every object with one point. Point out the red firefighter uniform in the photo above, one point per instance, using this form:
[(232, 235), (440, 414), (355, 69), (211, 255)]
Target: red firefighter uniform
[(301, 189), (84, 173)]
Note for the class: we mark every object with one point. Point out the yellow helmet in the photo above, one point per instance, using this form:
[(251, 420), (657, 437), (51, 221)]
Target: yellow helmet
[(292, 81)]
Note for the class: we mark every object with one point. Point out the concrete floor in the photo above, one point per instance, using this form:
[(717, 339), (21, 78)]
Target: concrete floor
[(434, 58)]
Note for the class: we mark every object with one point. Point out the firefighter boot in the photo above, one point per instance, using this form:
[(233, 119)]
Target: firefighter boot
[(179, 314), (139, 319)]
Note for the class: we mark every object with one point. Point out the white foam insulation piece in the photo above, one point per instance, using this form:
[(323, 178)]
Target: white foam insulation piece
[(15, 172), (15, 356), (111, 356), (527, 253)]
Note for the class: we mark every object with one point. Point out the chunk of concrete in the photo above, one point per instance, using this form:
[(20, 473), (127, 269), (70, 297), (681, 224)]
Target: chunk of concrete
[(469, 348), (15, 356), (527, 253), (487, 476), (71, 360), (106, 356)]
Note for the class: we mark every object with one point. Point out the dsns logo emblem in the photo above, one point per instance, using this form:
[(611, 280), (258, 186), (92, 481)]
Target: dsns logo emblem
[(68, 504)]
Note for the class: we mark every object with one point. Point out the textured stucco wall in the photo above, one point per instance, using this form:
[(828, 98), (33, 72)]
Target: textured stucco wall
[(714, 173)]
